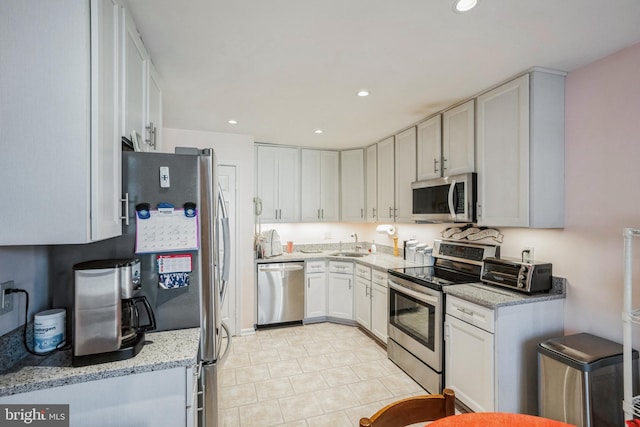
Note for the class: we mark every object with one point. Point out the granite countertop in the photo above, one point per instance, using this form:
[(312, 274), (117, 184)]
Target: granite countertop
[(493, 297), (163, 350), (377, 260)]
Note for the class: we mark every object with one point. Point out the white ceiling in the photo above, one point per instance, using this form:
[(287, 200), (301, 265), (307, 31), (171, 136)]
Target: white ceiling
[(283, 68)]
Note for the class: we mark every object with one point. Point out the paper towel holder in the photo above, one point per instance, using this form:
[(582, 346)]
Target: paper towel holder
[(386, 228)]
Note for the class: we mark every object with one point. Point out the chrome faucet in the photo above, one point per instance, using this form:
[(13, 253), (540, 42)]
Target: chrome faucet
[(357, 246)]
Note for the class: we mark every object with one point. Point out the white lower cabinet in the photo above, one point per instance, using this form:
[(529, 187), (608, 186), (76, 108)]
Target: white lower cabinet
[(363, 302), (340, 292), (316, 289), (158, 398), (379, 305), (491, 354)]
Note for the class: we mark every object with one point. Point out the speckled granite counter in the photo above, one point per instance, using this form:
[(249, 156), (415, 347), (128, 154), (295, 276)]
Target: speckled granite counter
[(163, 350), (381, 261), (493, 296)]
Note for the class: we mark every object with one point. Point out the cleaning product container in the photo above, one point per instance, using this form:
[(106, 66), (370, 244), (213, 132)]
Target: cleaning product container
[(49, 330)]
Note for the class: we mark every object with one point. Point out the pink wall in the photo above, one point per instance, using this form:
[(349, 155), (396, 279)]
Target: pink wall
[(602, 189)]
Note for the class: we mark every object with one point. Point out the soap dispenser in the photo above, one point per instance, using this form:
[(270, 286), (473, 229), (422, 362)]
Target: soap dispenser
[(373, 247)]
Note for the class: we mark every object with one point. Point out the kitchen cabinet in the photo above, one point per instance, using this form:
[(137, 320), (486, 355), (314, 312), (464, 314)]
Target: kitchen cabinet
[(61, 162), (379, 305), (340, 290), (372, 183), (141, 89), (386, 180), (458, 139), (520, 152), (405, 174), (352, 185), (363, 296), (502, 374), (316, 290), (429, 148), (278, 183), (319, 185), (157, 398)]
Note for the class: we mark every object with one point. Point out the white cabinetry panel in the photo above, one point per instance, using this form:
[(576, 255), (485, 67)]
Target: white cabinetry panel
[(405, 174), (352, 185), (386, 180), (458, 139), (278, 178), (429, 148), (372, 183)]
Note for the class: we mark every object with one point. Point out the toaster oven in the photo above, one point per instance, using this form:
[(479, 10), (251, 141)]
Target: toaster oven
[(517, 275)]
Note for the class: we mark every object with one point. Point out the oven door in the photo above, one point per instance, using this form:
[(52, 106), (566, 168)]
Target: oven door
[(415, 320)]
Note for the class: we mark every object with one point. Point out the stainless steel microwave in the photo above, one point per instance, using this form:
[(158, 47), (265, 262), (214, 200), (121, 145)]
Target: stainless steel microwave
[(448, 199)]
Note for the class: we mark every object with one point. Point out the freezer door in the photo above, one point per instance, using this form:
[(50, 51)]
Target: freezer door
[(209, 402)]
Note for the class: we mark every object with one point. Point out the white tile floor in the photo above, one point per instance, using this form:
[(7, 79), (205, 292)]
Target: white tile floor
[(315, 375)]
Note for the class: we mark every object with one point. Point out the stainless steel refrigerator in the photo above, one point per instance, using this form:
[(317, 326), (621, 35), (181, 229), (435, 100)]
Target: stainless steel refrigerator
[(184, 181)]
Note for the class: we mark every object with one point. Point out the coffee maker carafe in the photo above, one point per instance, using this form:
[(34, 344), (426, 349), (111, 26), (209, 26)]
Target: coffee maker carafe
[(107, 311)]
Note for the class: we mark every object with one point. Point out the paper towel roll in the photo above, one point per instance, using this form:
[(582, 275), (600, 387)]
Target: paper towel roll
[(386, 228)]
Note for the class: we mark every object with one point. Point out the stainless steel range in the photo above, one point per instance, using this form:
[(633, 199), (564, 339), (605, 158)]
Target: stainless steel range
[(416, 308)]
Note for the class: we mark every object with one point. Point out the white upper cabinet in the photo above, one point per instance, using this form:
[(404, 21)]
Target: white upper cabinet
[(141, 89), (320, 185), (458, 139), (372, 183), (278, 178), (61, 166), (521, 152), (386, 180), (352, 185), (405, 174), (430, 148)]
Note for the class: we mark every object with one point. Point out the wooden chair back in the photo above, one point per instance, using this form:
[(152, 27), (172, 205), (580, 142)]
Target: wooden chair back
[(413, 410)]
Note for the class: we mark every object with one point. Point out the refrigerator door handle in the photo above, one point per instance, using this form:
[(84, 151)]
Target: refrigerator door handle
[(223, 357), (226, 246)]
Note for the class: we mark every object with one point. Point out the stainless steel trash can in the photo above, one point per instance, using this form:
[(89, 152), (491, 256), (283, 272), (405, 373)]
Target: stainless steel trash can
[(580, 380)]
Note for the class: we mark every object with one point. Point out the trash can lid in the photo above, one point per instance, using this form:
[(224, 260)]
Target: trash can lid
[(583, 351)]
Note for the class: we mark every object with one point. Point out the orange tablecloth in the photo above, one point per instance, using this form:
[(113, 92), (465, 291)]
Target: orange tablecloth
[(501, 419)]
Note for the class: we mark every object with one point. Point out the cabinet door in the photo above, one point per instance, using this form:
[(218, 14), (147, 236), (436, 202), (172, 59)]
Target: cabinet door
[(310, 164), (106, 163), (503, 155), (267, 182), (288, 184), (329, 186), (372, 183), (429, 148), (386, 179), (405, 166), (458, 139), (352, 182), (134, 57), (363, 302), (153, 127), (379, 311), (469, 358), (341, 296), (316, 295)]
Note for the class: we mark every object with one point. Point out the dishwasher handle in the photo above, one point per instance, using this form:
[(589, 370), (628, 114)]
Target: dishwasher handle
[(281, 268)]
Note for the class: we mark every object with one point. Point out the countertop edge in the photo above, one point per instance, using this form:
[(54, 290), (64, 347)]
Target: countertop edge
[(491, 297)]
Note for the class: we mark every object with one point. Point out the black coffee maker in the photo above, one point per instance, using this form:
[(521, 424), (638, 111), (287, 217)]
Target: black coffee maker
[(110, 319)]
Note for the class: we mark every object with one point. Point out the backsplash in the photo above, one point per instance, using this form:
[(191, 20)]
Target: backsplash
[(345, 246)]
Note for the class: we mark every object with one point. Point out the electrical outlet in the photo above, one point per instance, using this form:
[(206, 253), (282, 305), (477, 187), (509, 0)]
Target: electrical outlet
[(327, 235), (6, 301), (527, 254)]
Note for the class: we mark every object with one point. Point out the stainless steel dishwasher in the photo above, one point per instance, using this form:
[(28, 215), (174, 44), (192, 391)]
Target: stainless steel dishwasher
[(280, 293)]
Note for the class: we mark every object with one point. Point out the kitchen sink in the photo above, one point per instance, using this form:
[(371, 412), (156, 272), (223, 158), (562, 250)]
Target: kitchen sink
[(350, 254)]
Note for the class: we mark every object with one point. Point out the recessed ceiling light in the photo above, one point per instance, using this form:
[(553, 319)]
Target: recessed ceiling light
[(363, 92), (462, 6), (318, 131), (232, 122)]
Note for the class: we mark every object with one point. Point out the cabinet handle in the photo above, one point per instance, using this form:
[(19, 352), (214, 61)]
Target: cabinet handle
[(374, 213), (390, 214), (366, 291), (435, 165), (465, 311), (309, 283), (444, 166), (125, 200), (478, 210), (361, 212), (322, 213), (318, 213), (151, 141)]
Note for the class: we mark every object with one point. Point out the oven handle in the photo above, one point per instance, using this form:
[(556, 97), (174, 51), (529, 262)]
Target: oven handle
[(417, 295)]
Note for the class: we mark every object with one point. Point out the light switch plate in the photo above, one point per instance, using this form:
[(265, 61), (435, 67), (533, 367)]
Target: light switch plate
[(6, 301)]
